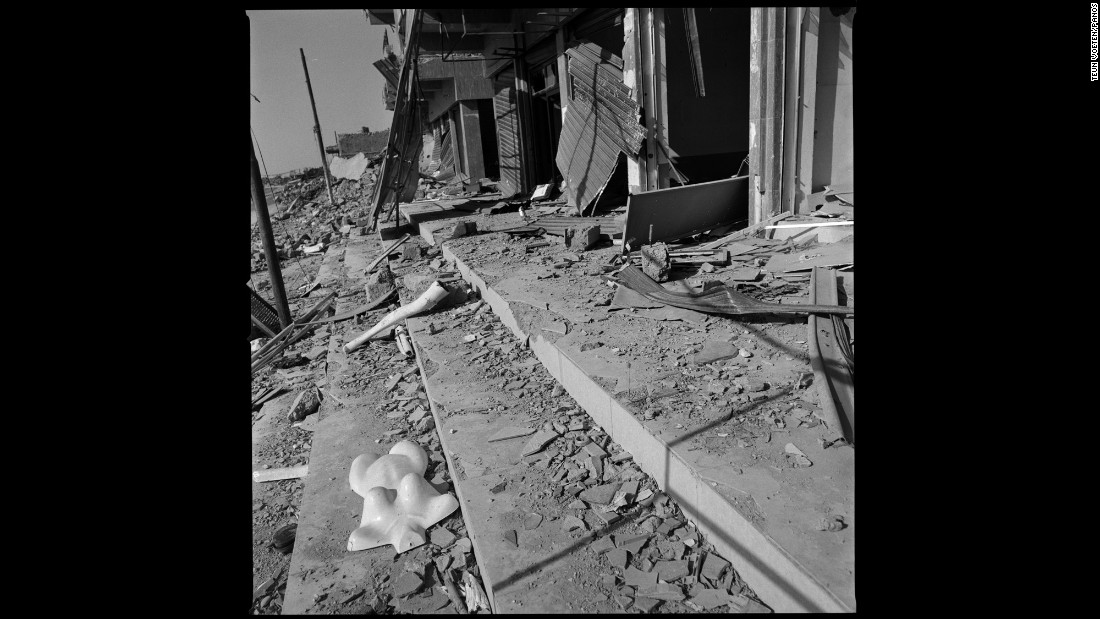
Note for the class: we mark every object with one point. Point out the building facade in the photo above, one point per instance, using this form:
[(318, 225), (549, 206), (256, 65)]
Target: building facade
[(615, 102)]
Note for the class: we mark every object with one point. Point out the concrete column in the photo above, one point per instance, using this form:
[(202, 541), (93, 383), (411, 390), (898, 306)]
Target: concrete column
[(807, 108), (471, 137), (766, 66), (632, 77)]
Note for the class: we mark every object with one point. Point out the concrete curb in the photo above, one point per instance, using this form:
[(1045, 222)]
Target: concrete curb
[(777, 577)]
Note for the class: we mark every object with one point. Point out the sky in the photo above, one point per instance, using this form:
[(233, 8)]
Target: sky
[(340, 48)]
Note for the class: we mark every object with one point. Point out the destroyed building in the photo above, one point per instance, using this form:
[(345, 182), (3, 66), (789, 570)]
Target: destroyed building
[(613, 102), (598, 283)]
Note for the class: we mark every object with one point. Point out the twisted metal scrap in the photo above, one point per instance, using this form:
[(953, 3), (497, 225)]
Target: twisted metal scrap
[(718, 300)]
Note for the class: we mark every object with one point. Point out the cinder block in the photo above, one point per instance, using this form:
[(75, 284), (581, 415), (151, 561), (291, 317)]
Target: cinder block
[(582, 238), (656, 262)]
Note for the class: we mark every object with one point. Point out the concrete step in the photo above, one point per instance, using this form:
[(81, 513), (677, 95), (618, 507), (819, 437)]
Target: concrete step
[(758, 512)]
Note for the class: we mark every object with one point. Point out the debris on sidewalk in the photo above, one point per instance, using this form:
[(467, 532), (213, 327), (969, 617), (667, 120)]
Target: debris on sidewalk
[(425, 302), (399, 521)]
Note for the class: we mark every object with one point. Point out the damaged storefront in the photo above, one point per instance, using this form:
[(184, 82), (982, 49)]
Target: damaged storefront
[(605, 104)]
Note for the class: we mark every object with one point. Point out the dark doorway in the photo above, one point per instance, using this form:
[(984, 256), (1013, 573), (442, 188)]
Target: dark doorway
[(708, 136), (546, 121), (489, 154)]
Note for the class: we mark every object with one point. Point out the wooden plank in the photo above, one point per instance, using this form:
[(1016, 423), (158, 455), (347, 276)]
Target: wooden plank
[(820, 224), (294, 472)]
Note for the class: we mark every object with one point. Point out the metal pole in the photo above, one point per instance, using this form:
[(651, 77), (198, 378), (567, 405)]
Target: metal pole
[(268, 237), (317, 128)]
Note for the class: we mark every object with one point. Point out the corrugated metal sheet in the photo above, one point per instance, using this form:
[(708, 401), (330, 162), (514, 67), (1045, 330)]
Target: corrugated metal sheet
[(446, 158), (508, 146), (600, 123), (437, 150)]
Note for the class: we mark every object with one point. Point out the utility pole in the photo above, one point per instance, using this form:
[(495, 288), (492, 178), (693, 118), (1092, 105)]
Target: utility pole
[(317, 128), (268, 237)]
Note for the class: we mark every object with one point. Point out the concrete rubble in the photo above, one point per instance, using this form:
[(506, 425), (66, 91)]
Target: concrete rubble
[(494, 415)]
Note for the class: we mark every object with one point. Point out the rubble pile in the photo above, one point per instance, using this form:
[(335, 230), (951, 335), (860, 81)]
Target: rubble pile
[(306, 223)]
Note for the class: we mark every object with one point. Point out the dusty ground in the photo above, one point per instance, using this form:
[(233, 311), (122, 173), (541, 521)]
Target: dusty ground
[(749, 402)]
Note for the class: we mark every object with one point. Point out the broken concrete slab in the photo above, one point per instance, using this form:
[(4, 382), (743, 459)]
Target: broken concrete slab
[(637, 578), (601, 495), (619, 557), (714, 350), (532, 521), (713, 566), (538, 442), (661, 591), (710, 598), (602, 545), (631, 544), (670, 571), (407, 584)]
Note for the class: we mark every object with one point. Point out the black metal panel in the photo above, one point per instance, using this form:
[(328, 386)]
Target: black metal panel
[(678, 212)]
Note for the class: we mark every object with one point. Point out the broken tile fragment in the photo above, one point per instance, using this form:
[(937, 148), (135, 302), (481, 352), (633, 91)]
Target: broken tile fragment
[(604, 544), (578, 504), (511, 537), (710, 598), (606, 517), (532, 521), (670, 571), (602, 494), (713, 566), (407, 584), (442, 537), (618, 558), (595, 450), (538, 441), (571, 523), (631, 544), (795, 456), (661, 591), (463, 544), (646, 604), (637, 578), (619, 457)]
